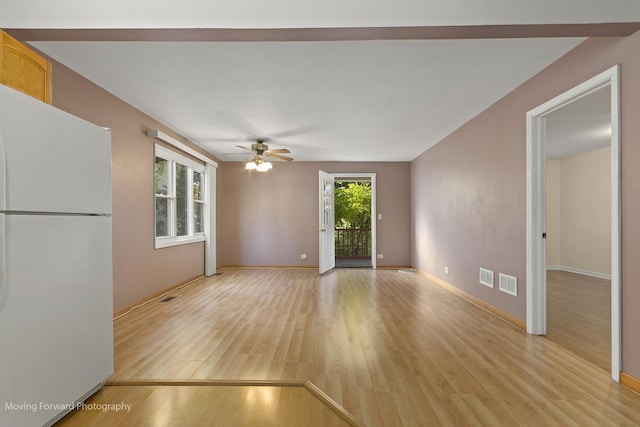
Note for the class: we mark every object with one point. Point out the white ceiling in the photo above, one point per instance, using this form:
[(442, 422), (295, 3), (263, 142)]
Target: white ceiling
[(350, 101), (369, 100)]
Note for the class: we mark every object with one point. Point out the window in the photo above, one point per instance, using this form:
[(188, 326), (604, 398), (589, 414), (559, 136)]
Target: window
[(179, 199), (198, 203)]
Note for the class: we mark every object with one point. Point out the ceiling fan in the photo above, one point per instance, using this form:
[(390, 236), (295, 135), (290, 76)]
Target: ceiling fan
[(262, 151)]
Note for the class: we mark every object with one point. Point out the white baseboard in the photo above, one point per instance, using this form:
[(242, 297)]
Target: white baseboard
[(579, 271)]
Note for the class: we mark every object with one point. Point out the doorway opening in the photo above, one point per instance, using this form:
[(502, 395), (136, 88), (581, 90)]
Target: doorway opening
[(347, 226), (539, 124), (578, 226), (353, 239)]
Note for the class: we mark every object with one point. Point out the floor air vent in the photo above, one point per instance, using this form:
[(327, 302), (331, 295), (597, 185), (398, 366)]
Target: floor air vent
[(486, 277), (509, 284), (167, 299)]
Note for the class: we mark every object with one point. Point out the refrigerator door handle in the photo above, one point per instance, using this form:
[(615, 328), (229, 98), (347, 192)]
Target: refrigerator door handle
[(3, 207), (3, 261), (3, 176)]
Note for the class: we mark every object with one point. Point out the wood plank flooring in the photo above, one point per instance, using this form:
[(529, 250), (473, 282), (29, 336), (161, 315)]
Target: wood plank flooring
[(579, 315), (204, 406), (389, 346)]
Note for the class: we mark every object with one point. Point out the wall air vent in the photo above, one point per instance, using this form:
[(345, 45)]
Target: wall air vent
[(486, 277), (508, 284)]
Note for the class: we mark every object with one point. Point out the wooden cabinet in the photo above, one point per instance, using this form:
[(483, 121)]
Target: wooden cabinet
[(23, 69)]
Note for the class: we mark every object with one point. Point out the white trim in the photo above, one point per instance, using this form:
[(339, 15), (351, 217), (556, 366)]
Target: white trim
[(616, 230), (155, 133), (210, 254), (535, 218), (167, 154), (364, 177), (579, 271), (165, 242), (535, 248)]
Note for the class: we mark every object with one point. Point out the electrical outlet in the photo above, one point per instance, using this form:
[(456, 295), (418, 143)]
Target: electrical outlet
[(380, 256), (446, 270), (303, 256), (379, 216)]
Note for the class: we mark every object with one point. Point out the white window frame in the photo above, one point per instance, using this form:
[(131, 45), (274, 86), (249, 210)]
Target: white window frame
[(172, 239)]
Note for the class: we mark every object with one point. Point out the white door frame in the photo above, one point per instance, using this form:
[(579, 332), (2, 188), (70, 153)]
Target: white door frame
[(536, 209), (372, 178)]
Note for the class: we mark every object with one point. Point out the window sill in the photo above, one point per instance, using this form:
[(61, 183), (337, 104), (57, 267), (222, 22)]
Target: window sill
[(166, 242)]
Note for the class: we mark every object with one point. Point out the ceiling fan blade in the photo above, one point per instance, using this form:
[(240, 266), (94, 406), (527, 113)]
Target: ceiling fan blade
[(278, 156), (244, 148), (278, 150), (214, 140), (238, 122), (294, 132)]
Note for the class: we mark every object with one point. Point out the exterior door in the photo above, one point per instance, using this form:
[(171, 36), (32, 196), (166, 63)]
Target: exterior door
[(326, 223)]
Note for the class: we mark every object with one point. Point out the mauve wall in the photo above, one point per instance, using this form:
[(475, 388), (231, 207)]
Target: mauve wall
[(271, 218), (138, 269), (468, 192)]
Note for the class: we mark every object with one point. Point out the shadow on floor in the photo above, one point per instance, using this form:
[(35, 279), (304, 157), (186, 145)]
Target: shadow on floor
[(353, 263)]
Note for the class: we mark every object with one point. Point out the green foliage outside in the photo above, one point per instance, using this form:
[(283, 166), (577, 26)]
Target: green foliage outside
[(353, 204)]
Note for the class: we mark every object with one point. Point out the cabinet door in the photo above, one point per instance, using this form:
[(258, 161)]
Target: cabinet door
[(23, 69)]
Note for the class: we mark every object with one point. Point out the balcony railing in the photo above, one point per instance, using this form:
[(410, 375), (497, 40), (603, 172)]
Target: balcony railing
[(353, 243)]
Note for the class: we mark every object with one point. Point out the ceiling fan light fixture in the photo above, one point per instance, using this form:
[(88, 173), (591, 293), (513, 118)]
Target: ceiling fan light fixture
[(264, 166), (258, 163), (261, 150)]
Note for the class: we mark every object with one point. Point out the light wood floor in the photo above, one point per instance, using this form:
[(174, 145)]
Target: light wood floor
[(579, 315), (390, 347), (195, 406)]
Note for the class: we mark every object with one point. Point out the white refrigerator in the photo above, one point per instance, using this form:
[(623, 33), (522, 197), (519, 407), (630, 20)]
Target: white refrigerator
[(56, 329)]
